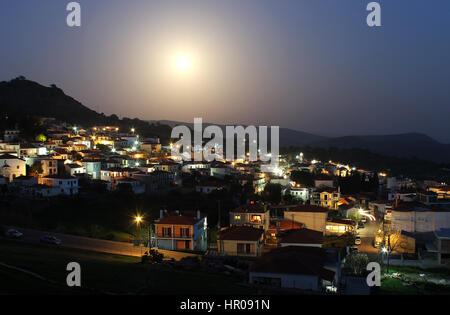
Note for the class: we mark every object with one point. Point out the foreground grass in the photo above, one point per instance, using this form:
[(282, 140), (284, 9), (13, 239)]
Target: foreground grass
[(103, 272), (396, 286), (436, 272), (412, 284)]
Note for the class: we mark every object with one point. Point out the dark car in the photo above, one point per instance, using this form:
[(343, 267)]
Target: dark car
[(13, 233), (50, 239)]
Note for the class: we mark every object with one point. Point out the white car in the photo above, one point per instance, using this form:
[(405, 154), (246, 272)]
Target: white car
[(13, 233), (49, 239), (358, 240)]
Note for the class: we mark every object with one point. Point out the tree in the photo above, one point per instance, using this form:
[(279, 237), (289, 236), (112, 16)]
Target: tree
[(272, 193), (397, 242), (41, 137), (356, 264)]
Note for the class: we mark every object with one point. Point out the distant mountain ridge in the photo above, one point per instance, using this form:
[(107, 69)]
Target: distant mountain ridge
[(21, 96), (407, 145), (24, 97)]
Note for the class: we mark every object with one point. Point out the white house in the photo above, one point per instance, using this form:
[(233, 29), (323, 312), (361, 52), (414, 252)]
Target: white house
[(68, 185), (11, 166), (300, 193), (293, 267), (74, 169), (93, 168), (416, 217)]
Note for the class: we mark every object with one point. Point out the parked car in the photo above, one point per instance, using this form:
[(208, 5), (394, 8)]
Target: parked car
[(50, 239), (358, 240), (360, 225), (363, 219), (13, 233)]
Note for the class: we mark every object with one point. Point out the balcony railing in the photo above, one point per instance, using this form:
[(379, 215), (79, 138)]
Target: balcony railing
[(176, 235)]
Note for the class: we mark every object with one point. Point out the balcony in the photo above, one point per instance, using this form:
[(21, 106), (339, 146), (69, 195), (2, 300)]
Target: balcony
[(175, 235)]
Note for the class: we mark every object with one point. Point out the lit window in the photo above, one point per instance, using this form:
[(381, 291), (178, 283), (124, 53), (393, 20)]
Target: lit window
[(256, 219)]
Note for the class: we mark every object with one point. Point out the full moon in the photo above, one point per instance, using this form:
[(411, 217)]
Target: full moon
[(182, 62)]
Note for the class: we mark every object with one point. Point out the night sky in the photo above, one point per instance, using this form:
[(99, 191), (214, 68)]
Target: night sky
[(310, 65)]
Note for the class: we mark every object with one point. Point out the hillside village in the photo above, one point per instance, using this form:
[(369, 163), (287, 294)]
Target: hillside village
[(299, 225)]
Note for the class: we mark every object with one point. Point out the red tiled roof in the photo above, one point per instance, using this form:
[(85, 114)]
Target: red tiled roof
[(286, 224), (343, 221), (9, 157), (307, 208), (177, 219), (186, 218), (241, 233), (302, 236), (297, 260), (250, 207)]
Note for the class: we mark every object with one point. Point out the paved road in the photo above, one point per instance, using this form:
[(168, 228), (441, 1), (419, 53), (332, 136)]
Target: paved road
[(96, 245), (367, 236)]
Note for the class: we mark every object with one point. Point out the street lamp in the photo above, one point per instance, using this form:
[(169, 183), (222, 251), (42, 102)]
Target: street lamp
[(138, 220)]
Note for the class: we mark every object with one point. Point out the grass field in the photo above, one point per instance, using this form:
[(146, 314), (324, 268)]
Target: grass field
[(419, 287), (102, 272), (396, 286)]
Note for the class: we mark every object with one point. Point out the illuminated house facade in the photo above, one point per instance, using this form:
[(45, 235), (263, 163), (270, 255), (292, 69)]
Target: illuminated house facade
[(11, 166), (312, 217), (253, 214), (181, 231), (240, 241)]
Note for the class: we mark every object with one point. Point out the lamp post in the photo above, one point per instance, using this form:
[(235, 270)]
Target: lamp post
[(138, 220)]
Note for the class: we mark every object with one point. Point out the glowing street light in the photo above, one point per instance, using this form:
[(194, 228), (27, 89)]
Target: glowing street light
[(138, 220)]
